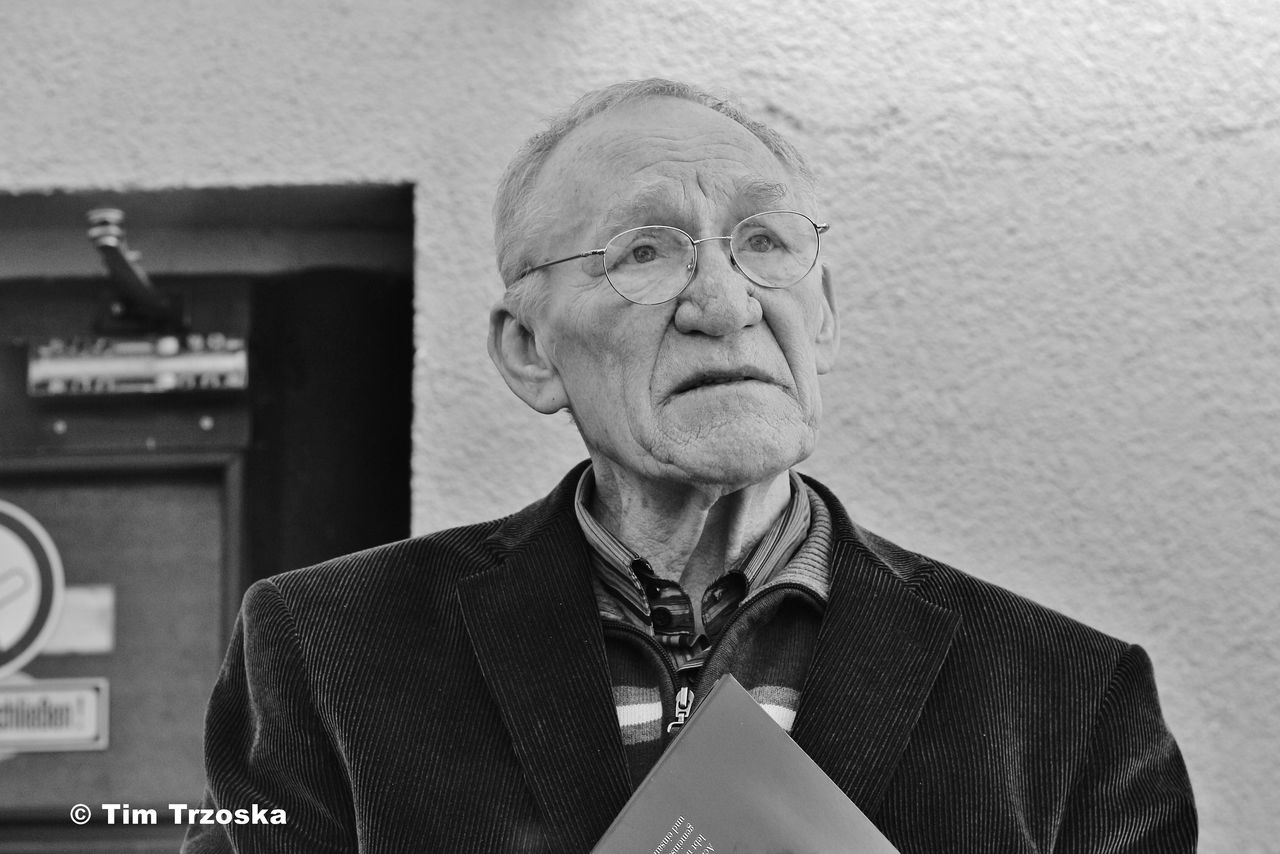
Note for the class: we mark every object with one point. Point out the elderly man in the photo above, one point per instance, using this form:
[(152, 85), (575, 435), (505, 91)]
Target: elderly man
[(505, 686)]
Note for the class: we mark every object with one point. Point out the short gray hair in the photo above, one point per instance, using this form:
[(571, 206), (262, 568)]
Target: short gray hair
[(514, 212)]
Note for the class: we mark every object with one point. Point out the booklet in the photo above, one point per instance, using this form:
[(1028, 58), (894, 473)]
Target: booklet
[(732, 780)]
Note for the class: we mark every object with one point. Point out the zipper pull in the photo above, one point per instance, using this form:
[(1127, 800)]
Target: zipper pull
[(684, 703)]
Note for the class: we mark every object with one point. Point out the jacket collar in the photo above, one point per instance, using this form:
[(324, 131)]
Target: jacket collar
[(531, 616), (879, 651)]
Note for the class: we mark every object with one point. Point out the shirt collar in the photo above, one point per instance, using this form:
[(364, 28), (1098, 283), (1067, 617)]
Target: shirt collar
[(626, 574)]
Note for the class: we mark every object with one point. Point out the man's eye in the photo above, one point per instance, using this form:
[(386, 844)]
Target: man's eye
[(636, 253), (651, 247), (643, 254), (762, 242)]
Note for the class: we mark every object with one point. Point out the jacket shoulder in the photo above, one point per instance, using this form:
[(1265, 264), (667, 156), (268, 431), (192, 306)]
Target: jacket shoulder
[(994, 614), (1004, 624), (413, 580), (438, 557)]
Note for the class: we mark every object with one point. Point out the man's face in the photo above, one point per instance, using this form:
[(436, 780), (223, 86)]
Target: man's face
[(718, 386)]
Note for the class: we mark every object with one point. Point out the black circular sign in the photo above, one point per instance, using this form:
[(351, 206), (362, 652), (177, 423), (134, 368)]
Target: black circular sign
[(31, 586)]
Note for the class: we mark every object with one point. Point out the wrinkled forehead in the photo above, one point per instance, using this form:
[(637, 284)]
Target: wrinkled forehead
[(661, 161)]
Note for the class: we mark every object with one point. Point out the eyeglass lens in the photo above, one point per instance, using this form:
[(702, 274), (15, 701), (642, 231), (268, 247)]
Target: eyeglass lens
[(652, 264)]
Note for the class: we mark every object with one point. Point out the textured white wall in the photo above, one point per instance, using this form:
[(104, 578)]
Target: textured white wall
[(1056, 227)]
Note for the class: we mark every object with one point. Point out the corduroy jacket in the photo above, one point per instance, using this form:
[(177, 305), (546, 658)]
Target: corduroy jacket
[(451, 693)]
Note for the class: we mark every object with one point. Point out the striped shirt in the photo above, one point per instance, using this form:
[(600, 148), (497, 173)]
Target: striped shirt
[(794, 550), (627, 588)]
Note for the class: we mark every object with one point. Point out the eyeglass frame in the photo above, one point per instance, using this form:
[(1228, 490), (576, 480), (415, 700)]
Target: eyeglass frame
[(819, 230)]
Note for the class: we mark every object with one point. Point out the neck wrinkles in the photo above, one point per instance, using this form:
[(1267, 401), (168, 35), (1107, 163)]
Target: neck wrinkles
[(688, 533)]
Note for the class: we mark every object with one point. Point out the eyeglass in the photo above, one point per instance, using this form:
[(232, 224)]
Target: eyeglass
[(652, 264)]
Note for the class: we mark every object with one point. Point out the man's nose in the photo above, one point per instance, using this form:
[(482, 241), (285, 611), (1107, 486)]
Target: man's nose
[(718, 301)]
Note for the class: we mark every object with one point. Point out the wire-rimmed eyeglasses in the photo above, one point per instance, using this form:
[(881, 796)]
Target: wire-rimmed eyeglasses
[(652, 264)]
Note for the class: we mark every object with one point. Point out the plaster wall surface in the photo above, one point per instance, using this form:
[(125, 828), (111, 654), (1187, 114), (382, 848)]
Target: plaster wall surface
[(1056, 236)]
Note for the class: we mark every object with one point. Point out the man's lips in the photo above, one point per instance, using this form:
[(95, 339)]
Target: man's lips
[(706, 379)]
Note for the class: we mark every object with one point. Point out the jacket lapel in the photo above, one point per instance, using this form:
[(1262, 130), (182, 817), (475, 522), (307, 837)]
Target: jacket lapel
[(533, 623), (879, 651)]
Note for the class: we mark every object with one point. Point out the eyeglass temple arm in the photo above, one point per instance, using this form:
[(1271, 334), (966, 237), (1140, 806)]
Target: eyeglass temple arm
[(537, 267)]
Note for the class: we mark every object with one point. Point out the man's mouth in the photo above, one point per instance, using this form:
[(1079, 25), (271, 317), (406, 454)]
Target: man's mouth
[(717, 378)]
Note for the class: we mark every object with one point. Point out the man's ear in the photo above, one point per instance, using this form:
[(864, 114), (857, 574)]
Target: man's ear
[(523, 363), (828, 339)]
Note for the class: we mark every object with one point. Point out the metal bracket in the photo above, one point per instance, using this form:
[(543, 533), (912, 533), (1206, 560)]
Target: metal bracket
[(136, 304)]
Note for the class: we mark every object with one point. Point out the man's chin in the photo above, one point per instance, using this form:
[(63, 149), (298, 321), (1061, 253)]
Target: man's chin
[(739, 453)]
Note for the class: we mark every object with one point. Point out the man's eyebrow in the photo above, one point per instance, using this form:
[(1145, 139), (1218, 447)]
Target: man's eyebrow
[(761, 194), (653, 205), (639, 208)]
